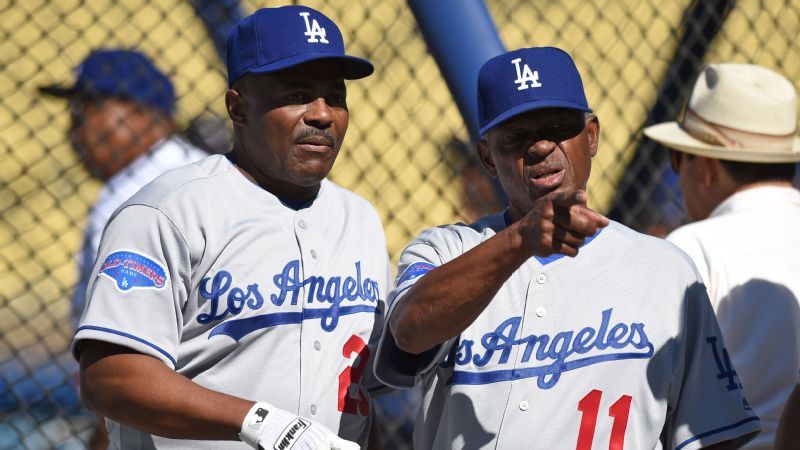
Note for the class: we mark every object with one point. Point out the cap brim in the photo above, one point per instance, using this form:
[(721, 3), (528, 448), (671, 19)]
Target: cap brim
[(671, 135), (58, 91), (530, 106), (353, 68)]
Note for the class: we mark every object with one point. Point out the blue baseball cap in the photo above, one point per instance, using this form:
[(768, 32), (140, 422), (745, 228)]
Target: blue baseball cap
[(273, 39), (119, 73), (526, 79)]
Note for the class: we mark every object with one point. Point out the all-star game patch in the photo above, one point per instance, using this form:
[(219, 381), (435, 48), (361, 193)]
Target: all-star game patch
[(132, 270)]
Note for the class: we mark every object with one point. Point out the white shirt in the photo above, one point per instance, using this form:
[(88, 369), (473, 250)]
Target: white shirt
[(165, 155), (748, 254)]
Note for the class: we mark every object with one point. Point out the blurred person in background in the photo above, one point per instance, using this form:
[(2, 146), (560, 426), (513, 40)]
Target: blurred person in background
[(734, 152), (121, 124)]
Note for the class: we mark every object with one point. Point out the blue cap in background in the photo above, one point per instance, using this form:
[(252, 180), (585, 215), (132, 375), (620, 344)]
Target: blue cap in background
[(273, 39), (125, 74), (527, 79)]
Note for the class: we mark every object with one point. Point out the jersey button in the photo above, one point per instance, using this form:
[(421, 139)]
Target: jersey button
[(541, 311), (302, 224), (523, 405), (541, 278), (314, 254), (313, 409), (317, 345)]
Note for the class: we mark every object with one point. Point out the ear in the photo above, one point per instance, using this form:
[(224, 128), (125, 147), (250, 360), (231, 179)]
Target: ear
[(236, 104), (709, 175), (593, 133), (485, 155)]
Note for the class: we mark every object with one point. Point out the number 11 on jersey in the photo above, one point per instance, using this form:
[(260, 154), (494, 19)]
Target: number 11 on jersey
[(589, 406)]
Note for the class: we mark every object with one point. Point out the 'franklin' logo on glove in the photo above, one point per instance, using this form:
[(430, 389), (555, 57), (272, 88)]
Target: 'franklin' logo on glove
[(291, 434)]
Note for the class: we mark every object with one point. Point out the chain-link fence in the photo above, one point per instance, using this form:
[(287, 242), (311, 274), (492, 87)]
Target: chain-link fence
[(407, 149)]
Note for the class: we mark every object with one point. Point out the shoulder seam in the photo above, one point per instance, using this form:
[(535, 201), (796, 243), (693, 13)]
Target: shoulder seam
[(162, 213), (205, 176)]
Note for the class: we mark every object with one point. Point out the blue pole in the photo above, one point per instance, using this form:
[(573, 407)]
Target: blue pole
[(461, 36), (219, 16)]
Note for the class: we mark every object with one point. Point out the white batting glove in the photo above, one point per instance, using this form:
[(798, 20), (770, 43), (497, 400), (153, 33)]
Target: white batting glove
[(266, 427)]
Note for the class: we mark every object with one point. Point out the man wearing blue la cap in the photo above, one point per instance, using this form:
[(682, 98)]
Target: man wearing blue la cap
[(121, 110), (241, 297), (546, 325)]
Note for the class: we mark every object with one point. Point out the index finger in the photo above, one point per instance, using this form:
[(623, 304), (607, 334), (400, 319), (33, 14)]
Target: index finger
[(579, 219), (567, 198), (570, 211), (599, 220)]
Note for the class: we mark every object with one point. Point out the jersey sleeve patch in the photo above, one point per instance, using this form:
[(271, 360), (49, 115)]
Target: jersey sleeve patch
[(133, 270), (415, 270)]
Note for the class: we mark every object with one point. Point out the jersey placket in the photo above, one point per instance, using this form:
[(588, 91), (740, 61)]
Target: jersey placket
[(539, 317), (311, 344)]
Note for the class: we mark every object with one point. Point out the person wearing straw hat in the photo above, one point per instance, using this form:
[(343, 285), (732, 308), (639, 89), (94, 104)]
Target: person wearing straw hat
[(735, 151)]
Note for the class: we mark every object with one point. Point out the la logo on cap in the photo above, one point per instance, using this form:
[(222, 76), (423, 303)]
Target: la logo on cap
[(314, 32), (525, 76)]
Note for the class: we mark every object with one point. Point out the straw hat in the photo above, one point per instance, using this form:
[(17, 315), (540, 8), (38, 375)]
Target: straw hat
[(737, 112)]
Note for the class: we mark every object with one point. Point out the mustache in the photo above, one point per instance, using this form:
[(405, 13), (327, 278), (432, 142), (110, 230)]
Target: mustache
[(316, 132)]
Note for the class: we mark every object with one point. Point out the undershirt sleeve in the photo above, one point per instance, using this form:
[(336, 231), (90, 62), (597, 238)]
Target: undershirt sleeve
[(393, 366)]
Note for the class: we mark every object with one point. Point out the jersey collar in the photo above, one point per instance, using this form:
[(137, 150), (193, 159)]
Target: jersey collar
[(289, 203)]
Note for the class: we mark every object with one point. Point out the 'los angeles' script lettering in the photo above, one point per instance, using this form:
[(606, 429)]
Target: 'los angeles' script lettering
[(560, 352), (225, 300)]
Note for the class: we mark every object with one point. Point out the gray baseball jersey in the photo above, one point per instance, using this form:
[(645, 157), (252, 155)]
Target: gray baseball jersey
[(222, 282), (617, 348)]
